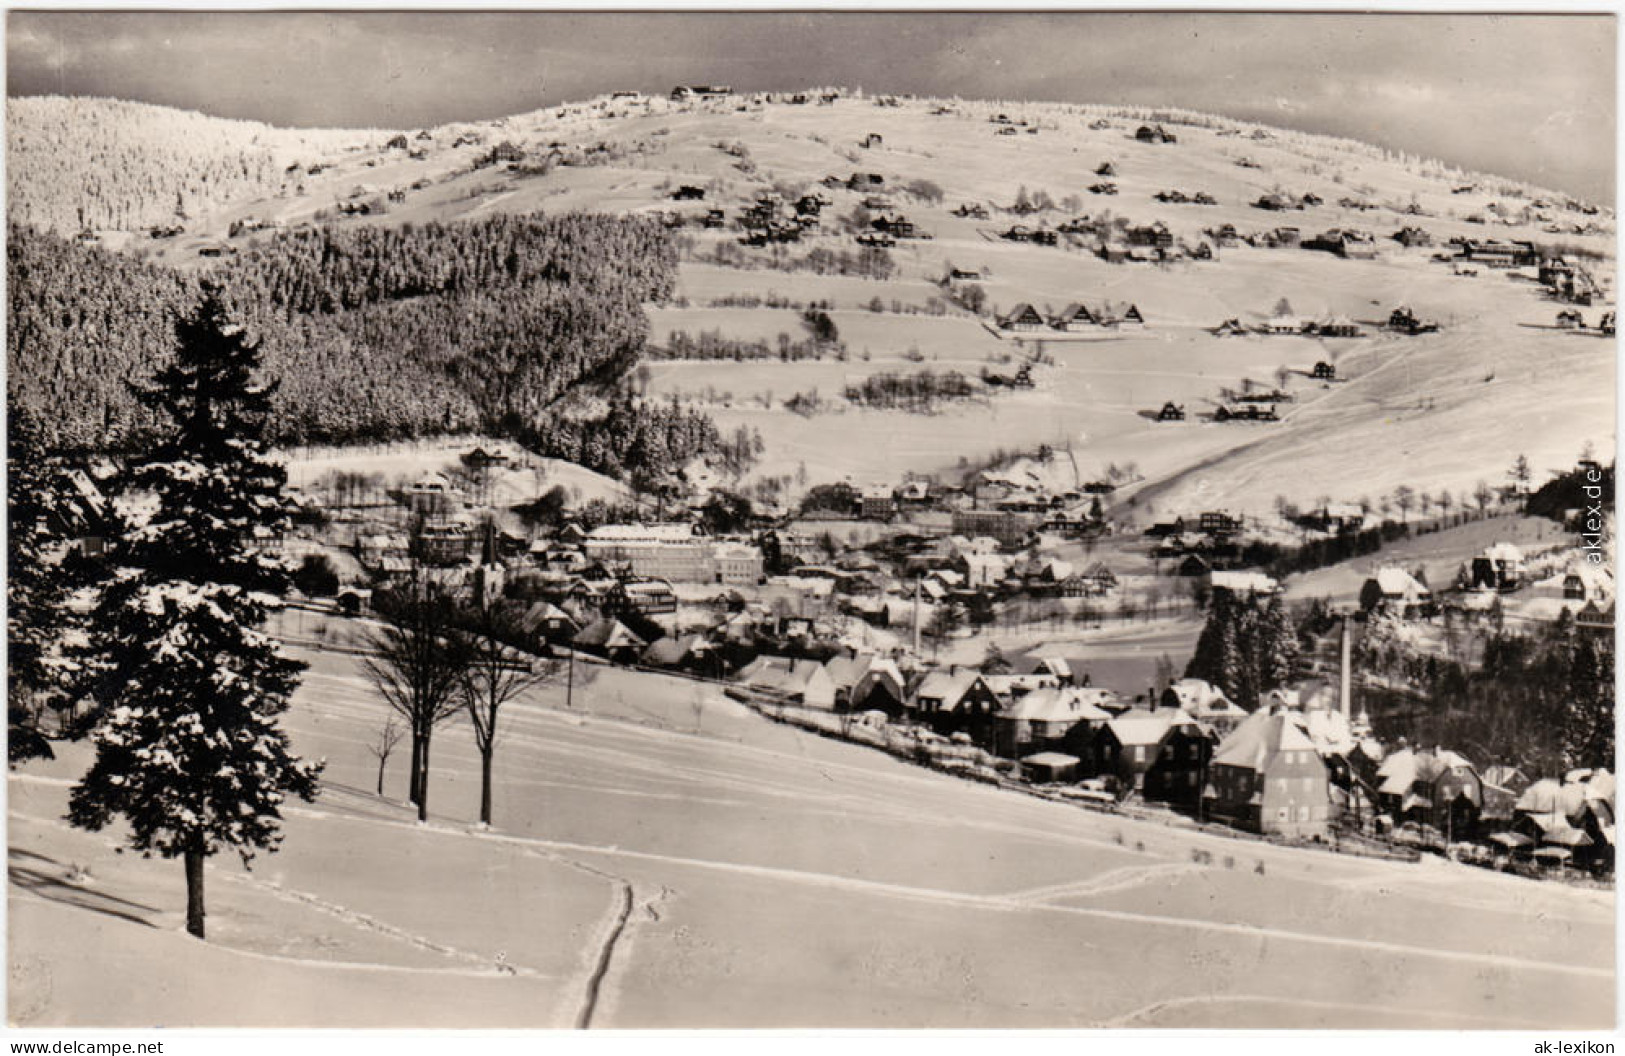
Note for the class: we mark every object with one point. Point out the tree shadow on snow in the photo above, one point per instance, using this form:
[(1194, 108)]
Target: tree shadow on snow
[(46, 880)]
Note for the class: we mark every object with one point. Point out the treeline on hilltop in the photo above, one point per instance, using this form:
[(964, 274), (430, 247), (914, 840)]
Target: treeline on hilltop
[(371, 334), (333, 269), (74, 164)]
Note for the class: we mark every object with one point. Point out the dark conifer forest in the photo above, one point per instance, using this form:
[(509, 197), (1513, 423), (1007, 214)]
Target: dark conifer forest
[(522, 327)]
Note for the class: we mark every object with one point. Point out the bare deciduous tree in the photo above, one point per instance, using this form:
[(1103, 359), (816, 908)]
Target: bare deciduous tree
[(388, 738), (417, 663), (496, 673)]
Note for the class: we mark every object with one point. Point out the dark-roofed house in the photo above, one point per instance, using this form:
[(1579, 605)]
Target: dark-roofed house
[(1267, 776), (867, 683), (1181, 761), (956, 701), (1074, 317), (1022, 317)]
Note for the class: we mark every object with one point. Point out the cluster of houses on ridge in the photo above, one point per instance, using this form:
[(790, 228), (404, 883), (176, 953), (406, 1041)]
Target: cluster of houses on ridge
[(1074, 318)]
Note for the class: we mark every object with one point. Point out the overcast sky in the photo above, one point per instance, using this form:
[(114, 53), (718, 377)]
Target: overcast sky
[(1527, 96)]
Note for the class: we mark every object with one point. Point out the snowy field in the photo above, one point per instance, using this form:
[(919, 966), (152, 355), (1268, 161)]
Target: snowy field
[(664, 858)]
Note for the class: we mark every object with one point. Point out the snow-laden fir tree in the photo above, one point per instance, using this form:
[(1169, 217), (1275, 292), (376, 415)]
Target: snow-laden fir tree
[(1217, 657), (188, 749), (1278, 649)]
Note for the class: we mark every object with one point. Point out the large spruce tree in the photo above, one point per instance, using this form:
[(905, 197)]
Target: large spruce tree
[(188, 749)]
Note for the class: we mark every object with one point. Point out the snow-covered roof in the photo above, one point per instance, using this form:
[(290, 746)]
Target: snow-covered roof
[(1144, 727), (1398, 583), (1060, 704), (677, 532), (950, 687), (1244, 582), (608, 634), (1259, 738)]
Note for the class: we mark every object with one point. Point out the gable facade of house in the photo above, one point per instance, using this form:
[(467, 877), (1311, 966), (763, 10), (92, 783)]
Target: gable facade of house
[(1181, 763), (1266, 776), (1022, 317)]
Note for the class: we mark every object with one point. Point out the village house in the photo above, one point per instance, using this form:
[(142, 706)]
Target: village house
[(1334, 517), (1060, 719), (737, 563), (1572, 820), (1437, 788), (444, 542), (1335, 326), (1499, 568), (1396, 590), (1412, 236), (1129, 745), (1073, 520), (1022, 317), (432, 495), (684, 92), (1205, 703), (877, 502), (1588, 582), (1497, 254), (1180, 767), (1324, 371), (610, 639), (643, 596), (1075, 317), (1243, 584), (802, 682), (546, 622), (867, 682), (1096, 581), (690, 652), (1006, 528), (982, 570), (1344, 243), (1218, 524), (1153, 235), (1266, 776), (1283, 323), (955, 701)]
